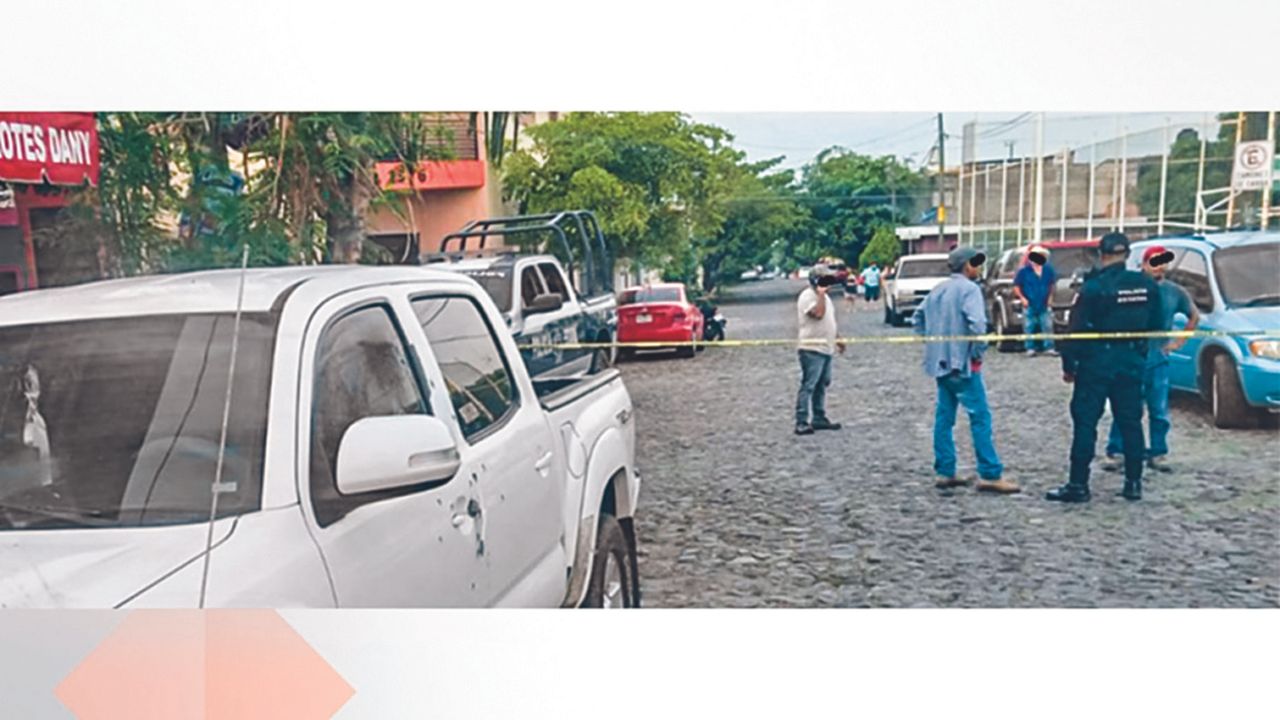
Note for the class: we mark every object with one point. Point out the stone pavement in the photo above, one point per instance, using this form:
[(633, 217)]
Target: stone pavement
[(738, 512)]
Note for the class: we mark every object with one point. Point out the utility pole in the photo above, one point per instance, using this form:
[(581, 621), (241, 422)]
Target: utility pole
[(1231, 193), (942, 185), (1266, 191), (960, 200), (1022, 197), (1093, 166), (1164, 179), (1124, 174), (1066, 177), (1201, 220), (1004, 193), (1038, 221)]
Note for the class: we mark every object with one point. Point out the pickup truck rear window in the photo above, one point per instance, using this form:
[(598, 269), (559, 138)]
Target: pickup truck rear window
[(117, 422), (474, 369), (496, 283)]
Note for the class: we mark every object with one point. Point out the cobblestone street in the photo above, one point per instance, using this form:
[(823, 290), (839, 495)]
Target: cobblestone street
[(739, 512)]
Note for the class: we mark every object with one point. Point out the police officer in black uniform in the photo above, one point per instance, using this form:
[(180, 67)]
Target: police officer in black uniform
[(1112, 299)]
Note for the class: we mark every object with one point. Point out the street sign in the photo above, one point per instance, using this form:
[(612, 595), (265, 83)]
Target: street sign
[(1252, 169)]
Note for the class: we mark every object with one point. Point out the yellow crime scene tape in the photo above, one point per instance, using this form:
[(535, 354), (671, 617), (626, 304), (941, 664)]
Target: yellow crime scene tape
[(909, 339)]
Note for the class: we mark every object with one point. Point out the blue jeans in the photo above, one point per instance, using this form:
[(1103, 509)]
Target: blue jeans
[(1040, 321), (953, 390), (1155, 393), (815, 376)]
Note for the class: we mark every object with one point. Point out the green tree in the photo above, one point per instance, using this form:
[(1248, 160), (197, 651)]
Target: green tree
[(1184, 167), (655, 180), (761, 214), (851, 195), (883, 249), (311, 183)]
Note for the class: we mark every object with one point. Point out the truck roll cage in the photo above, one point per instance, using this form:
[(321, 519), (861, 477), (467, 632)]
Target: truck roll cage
[(597, 273)]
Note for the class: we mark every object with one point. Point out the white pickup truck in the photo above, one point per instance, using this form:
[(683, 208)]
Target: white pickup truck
[(385, 448)]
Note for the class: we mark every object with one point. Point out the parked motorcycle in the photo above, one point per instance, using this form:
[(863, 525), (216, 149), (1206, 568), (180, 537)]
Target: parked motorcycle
[(712, 322)]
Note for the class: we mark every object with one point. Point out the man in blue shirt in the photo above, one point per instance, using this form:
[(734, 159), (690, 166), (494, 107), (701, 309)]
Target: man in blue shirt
[(871, 281), (954, 309), (1033, 285), (1155, 376)]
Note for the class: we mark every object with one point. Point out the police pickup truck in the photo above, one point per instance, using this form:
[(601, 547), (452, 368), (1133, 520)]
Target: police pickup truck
[(547, 307), (374, 443)]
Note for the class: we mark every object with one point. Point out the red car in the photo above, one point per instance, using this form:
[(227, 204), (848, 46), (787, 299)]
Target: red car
[(659, 313)]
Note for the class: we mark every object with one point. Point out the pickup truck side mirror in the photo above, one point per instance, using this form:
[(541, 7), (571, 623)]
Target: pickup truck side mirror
[(546, 302), (380, 453)]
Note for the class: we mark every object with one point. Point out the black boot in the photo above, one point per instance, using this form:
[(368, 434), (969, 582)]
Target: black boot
[(1132, 490), (1069, 493)]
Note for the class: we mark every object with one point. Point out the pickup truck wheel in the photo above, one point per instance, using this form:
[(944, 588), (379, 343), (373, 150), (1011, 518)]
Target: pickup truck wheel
[(601, 358), (612, 582), (1002, 329), (1226, 397)]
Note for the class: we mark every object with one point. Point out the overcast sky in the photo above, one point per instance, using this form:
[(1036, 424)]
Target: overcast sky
[(800, 136)]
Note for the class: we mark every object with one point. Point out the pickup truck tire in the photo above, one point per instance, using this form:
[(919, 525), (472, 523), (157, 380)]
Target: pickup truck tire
[(1226, 397), (601, 358), (612, 582), (1001, 329)]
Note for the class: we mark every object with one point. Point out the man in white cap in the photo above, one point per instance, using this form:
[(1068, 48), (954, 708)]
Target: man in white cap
[(1033, 285)]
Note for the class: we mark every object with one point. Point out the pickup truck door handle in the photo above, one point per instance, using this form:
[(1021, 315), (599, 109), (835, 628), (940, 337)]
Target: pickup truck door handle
[(543, 466)]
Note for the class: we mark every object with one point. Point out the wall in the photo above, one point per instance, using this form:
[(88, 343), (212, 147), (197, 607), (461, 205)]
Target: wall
[(435, 213)]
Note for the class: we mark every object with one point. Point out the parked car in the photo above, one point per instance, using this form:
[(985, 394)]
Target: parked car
[(384, 448), (840, 270), (1234, 280), (912, 278), (1005, 311), (659, 313), (543, 310), (749, 275)]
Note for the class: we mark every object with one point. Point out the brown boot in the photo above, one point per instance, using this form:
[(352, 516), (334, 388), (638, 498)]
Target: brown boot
[(946, 483), (1001, 486)]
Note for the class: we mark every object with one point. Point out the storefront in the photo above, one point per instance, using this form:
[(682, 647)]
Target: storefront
[(43, 156)]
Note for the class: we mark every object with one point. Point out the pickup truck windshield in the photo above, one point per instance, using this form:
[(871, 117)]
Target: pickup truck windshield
[(495, 282), (650, 295), (116, 422), (924, 268), (1247, 274)]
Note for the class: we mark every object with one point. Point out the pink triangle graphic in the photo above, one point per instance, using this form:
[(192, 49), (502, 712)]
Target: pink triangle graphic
[(207, 665)]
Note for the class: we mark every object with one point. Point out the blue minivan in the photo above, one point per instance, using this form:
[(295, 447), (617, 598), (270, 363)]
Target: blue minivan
[(1234, 280)]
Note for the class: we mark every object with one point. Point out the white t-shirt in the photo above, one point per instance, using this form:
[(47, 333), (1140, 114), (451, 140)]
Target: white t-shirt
[(812, 329)]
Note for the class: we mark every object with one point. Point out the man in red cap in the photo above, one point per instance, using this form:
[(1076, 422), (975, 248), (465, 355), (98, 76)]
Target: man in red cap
[(1155, 377)]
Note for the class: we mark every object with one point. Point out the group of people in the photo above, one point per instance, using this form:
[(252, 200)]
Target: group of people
[(1128, 373), (864, 284)]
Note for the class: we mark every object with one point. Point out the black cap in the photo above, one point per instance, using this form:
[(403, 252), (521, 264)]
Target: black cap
[(1114, 243)]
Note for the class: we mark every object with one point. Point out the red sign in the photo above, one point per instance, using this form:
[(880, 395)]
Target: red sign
[(58, 148), (431, 175)]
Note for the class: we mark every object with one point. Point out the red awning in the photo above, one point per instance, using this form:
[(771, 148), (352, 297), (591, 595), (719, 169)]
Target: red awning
[(59, 148)]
